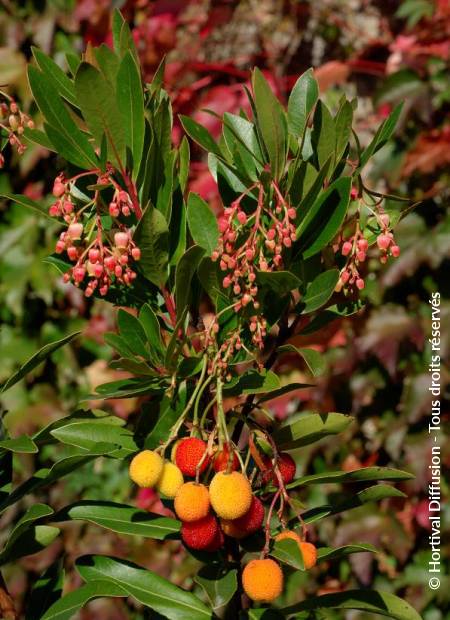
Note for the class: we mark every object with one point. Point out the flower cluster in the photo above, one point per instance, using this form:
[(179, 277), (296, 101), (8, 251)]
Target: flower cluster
[(250, 243), (355, 250), (13, 121), (99, 259)]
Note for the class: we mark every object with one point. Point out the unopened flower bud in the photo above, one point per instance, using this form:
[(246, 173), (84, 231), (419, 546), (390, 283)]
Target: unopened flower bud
[(360, 283), (226, 282), (94, 255), (110, 263), (75, 231), (136, 253), (395, 251), (383, 241), (121, 240), (363, 245), (384, 219), (361, 256), (72, 252), (242, 218), (79, 273), (291, 213), (346, 248)]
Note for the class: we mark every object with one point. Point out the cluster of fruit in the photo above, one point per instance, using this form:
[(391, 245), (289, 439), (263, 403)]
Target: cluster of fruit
[(251, 242), (227, 507), (13, 122), (99, 258)]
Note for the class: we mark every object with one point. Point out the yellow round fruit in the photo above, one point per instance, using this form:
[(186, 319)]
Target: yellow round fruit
[(170, 480), (262, 580), (146, 468), (192, 502), (231, 494)]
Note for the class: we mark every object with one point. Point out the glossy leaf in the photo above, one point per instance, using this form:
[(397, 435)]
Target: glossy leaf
[(202, 223), (132, 333), (185, 271), (324, 554), (288, 552), (253, 382), (37, 359), (130, 100), (152, 236), (382, 135), (382, 603), (120, 518), (319, 291), (46, 591), (365, 474), (24, 201), (145, 586), (343, 130), (325, 217), (66, 607), (314, 360), (200, 135), (219, 584), (309, 428), (323, 136), (280, 282), (73, 145), (98, 104), (88, 435), (168, 413), (272, 123), (53, 72), (22, 445), (27, 538), (302, 100)]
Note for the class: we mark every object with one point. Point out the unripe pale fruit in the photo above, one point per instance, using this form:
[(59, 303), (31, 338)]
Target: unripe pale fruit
[(262, 580), (308, 550), (231, 494), (170, 480), (188, 455), (192, 501), (146, 468), (200, 534), (286, 465)]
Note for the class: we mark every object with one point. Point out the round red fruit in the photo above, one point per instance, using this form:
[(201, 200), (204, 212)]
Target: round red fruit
[(200, 534), (188, 455), (252, 521), (223, 459), (286, 465)]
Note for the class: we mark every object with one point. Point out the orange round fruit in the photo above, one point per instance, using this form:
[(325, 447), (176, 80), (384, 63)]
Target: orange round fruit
[(308, 550), (192, 502), (262, 580)]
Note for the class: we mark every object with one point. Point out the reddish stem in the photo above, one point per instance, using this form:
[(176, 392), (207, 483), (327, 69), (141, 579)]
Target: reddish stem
[(170, 306)]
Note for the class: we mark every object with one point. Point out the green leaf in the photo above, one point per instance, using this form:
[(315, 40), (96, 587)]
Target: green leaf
[(120, 518), (133, 333), (122, 37), (324, 554), (108, 63), (202, 223), (219, 584), (290, 387), (22, 445), (185, 271), (88, 435), (184, 161), (332, 313), (343, 126), (152, 236), (145, 586), (319, 291), (309, 428), (27, 538), (98, 104), (126, 388), (325, 218), (150, 323), (130, 99), (302, 100), (253, 382), (288, 552), (314, 360), (382, 603), (272, 123), (45, 476), (365, 474), (53, 72), (323, 136), (374, 493), (46, 590), (244, 133), (35, 360), (36, 136), (167, 415), (280, 282), (66, 607), (398, 86), (73, 143), (382, 135), (200, 135)]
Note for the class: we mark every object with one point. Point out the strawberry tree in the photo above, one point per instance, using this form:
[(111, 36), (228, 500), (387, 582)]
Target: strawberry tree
[(212, 305)]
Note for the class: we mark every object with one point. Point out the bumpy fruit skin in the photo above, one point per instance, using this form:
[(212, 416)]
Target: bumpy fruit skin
[(221, 460), (262, 580), (217, 543), (248, 524), (309, 553), (189, 453), (308, 550), (230, 494), (170, 480), (146, 468), (192, 502), (200, 534), (286, 465)]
